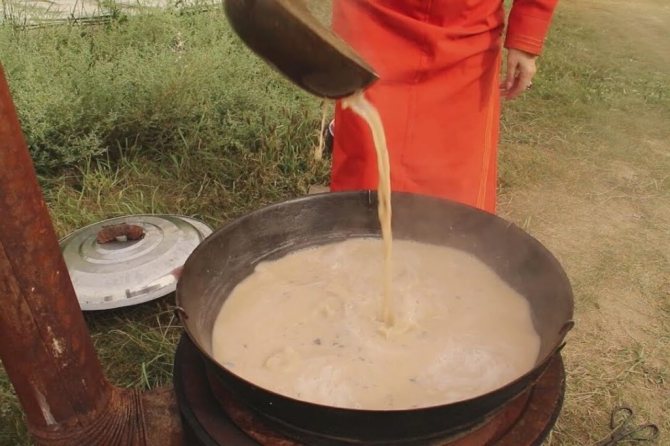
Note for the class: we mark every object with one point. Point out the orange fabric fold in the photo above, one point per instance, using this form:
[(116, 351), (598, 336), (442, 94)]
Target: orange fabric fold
[(529, 23), (438, 96)]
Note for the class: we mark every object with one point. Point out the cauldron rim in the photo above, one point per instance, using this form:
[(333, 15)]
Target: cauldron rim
[(529, 377), (218, 365)]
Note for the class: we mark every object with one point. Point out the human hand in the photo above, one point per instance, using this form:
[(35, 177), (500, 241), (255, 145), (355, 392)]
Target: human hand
[(520, 71)]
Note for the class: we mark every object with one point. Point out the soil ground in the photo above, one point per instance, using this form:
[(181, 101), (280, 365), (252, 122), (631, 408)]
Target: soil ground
[(605, 212)]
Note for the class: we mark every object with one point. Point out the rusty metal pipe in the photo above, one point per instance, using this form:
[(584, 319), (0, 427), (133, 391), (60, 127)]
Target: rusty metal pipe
[(46, 348)]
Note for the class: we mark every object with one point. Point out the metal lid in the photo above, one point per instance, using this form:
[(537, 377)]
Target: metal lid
[(129, 260)]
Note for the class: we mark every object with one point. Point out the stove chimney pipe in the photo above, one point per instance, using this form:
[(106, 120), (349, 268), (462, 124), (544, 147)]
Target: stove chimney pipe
[(46, 348)]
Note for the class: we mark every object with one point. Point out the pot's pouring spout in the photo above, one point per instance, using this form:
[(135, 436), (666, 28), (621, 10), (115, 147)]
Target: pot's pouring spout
[(287, 36)]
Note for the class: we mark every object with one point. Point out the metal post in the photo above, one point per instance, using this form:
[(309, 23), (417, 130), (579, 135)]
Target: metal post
[(45, 345)]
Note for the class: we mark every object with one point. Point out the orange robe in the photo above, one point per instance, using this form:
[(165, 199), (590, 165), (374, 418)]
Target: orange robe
[(439, 63)]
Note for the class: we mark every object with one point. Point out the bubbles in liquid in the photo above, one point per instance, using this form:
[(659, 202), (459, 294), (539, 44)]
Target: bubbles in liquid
[(323, 343)]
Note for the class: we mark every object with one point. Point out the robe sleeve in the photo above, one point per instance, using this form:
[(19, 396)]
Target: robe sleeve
[(528, 24)]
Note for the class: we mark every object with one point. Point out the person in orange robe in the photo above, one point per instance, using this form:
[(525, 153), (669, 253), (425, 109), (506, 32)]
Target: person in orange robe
[(439, 92)]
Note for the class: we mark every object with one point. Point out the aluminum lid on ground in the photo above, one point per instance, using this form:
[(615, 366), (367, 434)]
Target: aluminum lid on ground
[(125, 272)]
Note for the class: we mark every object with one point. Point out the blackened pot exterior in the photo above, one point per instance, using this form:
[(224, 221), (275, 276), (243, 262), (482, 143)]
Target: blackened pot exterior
[(232, 252)]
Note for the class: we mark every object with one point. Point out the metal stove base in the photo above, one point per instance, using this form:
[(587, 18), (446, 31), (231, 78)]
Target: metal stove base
[(207, 424)]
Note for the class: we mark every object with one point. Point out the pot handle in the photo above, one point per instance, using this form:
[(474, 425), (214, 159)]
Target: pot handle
[(109, 234), (181, 313), (566, 328)]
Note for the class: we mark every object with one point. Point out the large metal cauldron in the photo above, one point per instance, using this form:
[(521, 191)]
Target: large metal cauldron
[(232, 252)]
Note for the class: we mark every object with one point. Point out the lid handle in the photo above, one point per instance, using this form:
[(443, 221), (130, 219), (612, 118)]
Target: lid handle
[(112, 233)]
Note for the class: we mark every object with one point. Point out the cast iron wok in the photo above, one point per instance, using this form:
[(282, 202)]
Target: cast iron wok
[(231, 253)]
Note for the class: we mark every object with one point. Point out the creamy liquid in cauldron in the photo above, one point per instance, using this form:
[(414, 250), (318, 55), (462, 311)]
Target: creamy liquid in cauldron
[(307, 326)]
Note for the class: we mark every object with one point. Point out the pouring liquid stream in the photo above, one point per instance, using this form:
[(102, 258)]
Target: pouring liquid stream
[(367, 111)]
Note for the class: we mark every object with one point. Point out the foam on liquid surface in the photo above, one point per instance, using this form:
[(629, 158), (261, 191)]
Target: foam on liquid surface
[(307, 326)]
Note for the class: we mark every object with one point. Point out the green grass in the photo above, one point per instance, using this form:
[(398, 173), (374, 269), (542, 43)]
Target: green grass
[(164, 112), (581, 89), (153, 85), (167, 112)]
